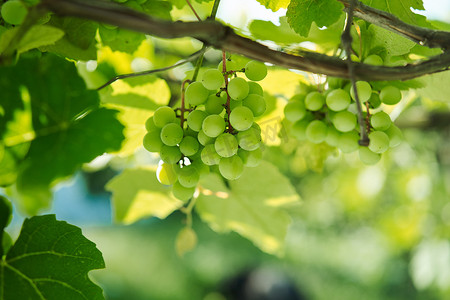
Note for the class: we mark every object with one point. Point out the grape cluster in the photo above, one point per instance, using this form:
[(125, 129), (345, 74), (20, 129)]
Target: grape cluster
[(330, 116), (218, 133)]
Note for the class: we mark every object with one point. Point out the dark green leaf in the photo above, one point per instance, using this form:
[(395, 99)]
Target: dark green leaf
[(121, 39), (5, 217), (302, 13), (50, 260)]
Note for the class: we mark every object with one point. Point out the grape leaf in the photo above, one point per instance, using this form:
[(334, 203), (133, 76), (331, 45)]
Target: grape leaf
[(251, 206), (137, 194), (38, 36), (50, 260), (392, 43), (5, 218), (436, 86), (275, 5), (119, 39), (401, 9), (302, 13)]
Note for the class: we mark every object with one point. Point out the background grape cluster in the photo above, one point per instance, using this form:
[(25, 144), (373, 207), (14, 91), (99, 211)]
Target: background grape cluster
[(330, 115), (213, 130)]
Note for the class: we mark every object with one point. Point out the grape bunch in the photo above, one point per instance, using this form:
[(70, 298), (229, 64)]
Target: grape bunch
[(330, 116), (216, 130)]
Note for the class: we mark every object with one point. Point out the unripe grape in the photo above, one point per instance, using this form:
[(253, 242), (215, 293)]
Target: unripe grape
[(231, 168), (163, 116), (226, 145), (204, 139), (230, 65), (212, 79), (295, 110), (316, 132), (150, 125), (379, 141), (182, 193), (374, 60), (165, 173), (170, 154), (374, 100), (250, 158), (152, 141), (256, 103), (255, 88), (189, 145), (202, 169), (338, 100), (209, 155), (298, 129), (241, 118), (215, 105), (238, 88), (213, 125), (332, 138), (188, 176), (348, 142), (334, 82), (249, 139), (255, 70), (171, 134), (390, 95), (395, 136), (314, 101), (14, 12), (196, 93), (364, 91), (367, 156), (195, 119), (380, 121), (344, 121)]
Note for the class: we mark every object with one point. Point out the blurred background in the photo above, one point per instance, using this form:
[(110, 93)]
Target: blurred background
[(378, 232)]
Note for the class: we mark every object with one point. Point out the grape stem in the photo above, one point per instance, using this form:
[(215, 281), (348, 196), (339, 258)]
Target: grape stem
[(225, 76), (368, 117), (193, 10), (347, 43), (183, 107), (188, 211)]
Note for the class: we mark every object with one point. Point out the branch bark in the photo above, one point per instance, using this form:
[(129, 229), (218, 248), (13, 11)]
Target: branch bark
[(223, 37)]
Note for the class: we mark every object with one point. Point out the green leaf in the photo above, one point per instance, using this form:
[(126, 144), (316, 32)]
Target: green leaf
[(275, 4), (302, 13), (5, 218), (436, 86), (392, 43), (50, 260), (251, 206), (401, 9), (137, 194), (38, 36), (121, 39)]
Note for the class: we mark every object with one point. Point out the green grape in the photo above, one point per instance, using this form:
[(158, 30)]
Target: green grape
[(163, 116), (368, 157), (189, 132), (256, 127), (150, 125), (171, 134), (182, 193), (226, 145), (198, 164), (241, 118), (249, 139), (196, 94), (255, 70), (188, 176), (344, 121), (14, 12), (374, 100), (332, 138), (379, 141), (215, 105), (314, 101), (250, 158), (231, 168), (152, 141), (298, 129), (390, 95), (238, 88), (316, 132), (195, 119), (334, 82), (256, 103), (338, 100), (395, 136), (364, 91), (234, 104), (212, 79), (348, 142), (204, 139), (209, 155), (165, 173), (380, 121), (295, 110), (255, 88), (374, 60), (189, 146), (170, 154), (213, 125), (230, 65)]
